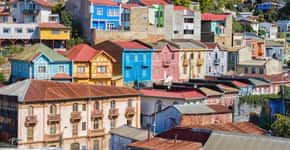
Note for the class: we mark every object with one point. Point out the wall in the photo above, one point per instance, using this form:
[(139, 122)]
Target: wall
[(60, 34), (119, 142), (273, 67), (19, 70), (190, 120), (213, 68)]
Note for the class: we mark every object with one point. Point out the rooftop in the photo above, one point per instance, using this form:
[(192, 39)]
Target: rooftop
[(213, 17), (52, 25), (181, 94), (240, 84), (209, 92), (132, 45), (44, 90), (189, 44), (154, 2), (104, 2), (281, 77), (131, 133), (201, 109)]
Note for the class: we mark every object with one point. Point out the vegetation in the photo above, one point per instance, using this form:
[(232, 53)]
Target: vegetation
[(265, 117), (257, 99), (11, 50), (238, 27), (2, 77), (281, 126), (183, 2), (284, 13)]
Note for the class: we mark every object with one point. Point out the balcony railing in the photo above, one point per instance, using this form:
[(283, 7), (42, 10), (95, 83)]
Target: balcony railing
[(113, 113), (96, 132), (53, 118), (30, 121), (130, 112), (52, 137), (166, 63), (199, 61), (96, 114), (75, 116)]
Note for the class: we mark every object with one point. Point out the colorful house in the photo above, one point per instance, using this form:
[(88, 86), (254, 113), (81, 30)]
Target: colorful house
[(133, 60), (165, 61), (54, 35), (91, 65), (40, 62), (105, 15)]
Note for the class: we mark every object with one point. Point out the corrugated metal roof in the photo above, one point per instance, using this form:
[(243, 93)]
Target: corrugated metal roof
[(192, 109), (18, 89), (258, 82), (131, 133), (237, 141)]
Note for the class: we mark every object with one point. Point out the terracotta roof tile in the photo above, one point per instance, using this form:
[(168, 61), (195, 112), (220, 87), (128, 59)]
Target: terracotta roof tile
[(180, 8), (81, 53), (213, 17), (154, 2), (43, 3), (129, 6), (186, 94), (61, 76), (104, 2), (240, 84), (131, 45), (51, 25)]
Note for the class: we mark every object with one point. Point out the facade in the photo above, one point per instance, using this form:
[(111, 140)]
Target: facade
[(257, 46), (40, 62), (275, 49), (54, 35), (216, 60), (187, 115), (165, 61), (283, 25), (92, 66), (69, 115), (217, 28), (133, 60), (191, 58), (270, 29)]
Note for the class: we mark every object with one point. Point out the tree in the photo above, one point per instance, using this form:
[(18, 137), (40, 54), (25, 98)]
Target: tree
[(185, 3), (237, 27), (281, 126), (2, 77), (284, 13), (66, 18), (206, 5)]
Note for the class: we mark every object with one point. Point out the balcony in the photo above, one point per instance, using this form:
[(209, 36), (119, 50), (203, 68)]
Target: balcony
[(199, 61), (166, 63), (81, 75), (217, 61), (75, 116), (31, 12), (130, 112), (96, 133), (52, 137), (101, 75), (185, 62), (53, 118), (113, 113), (19, 31), (97, 114), (30, 121)]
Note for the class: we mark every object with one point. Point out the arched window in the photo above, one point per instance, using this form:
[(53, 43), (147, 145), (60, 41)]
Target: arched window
[(75, 107), (159, 105), (53, 109), (30, 111), (113, 104), (97, 105)]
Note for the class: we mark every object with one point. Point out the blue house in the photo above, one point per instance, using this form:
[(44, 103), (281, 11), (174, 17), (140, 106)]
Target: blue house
[(134, 60), (105, 15), (40, 62), (275, 49), (283, 25)]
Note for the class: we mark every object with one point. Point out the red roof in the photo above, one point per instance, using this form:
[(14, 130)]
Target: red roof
[(211, 45), (52, 25), (61, 76), (213, 17), (129, 6), (186, 94), (81, 52), (180, 8), (154, 2), (131, 45), (240, 84), (43, 3), (104, 2), (281, 77)]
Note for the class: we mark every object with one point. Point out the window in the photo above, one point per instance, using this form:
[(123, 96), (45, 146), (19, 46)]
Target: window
[(96, 124), (96, 145), (60, 68), (135, 57), (6, 30), (74, 129), (53, 109), (75, 107), (172, 56), (113, 104), (188, 20), (75, 146), (184, 70), (41, 69), (99, 11), (30, 111), (129, 122), (55, 31), (30, 133), (52, 129), (84, 126), (84, 106), (30, 30), (261, 70), (18, 30), (246, 70), (102, 69), (97, 106), (191, 56), (130, 103), (158, 105), (110, 26), (81, 69), (187, 31), (209, 69), (113, 123), (253, 70)]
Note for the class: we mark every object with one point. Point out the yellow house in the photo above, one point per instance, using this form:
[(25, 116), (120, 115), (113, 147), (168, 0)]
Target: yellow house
[(92, 66), (54, 35)]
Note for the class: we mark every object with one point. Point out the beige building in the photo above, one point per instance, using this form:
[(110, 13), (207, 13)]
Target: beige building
[(70, 115), (248, 65)]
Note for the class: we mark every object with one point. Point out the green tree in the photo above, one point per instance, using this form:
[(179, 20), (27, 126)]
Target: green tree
[(56, 9), (237, 27), (183, 2), (281, 126), (2, 77), (206, 5), (66, 18)]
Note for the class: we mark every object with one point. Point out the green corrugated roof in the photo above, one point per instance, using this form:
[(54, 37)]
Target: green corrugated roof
[(32, 52)]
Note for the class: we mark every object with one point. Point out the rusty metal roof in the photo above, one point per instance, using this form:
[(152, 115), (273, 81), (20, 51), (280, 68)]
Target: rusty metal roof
[(43, 90)]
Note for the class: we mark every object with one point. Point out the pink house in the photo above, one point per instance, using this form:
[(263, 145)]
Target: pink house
[(165, 61)]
